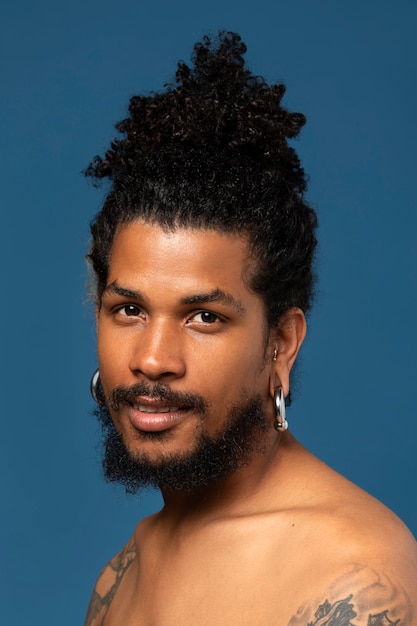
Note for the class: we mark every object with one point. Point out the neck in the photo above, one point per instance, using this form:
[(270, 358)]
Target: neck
[(245, 491)]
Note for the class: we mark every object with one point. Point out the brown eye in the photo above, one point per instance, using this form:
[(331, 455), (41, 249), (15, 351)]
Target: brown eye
[(130, 310), (207, 317)]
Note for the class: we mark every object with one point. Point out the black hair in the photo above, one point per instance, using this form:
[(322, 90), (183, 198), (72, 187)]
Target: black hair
[(211, 151)]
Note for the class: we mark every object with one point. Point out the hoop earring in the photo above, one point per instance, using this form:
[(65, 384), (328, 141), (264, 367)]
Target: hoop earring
[(94, 387), (280, 423)]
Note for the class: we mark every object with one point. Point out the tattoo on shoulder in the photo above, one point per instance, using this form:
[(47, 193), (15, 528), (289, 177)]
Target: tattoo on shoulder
[(375, 601), (108, 583), (341, 613)]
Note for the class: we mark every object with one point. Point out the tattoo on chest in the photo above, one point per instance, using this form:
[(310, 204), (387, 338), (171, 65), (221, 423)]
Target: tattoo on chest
[(113, 575), (342, 612)]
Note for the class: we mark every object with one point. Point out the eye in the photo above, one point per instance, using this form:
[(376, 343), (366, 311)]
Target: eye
[(207, 317), (129, 310)]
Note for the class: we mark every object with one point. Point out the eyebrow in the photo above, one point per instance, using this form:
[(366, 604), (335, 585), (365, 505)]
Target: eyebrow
[(217, 295), (117, 290)]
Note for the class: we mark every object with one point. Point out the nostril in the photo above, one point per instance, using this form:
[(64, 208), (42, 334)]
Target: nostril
[(155, 367)]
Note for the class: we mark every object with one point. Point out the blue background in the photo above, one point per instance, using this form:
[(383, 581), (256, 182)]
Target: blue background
[(67, 70)]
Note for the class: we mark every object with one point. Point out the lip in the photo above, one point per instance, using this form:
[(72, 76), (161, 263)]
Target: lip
[(154, 416)]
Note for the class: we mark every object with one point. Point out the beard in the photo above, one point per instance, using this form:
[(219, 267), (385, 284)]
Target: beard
[(213, 458)]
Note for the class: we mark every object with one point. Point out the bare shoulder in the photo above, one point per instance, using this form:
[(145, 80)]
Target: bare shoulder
[(360, 574), (357, 561), (108, 583), (326, 499), (364, 562)]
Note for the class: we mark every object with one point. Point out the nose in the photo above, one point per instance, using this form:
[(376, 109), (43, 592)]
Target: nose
[(158, 351)]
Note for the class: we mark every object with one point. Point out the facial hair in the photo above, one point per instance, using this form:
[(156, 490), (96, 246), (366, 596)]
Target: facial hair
[(213, 458)]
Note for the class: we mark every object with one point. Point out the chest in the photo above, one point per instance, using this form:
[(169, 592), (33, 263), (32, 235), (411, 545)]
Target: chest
[(222, 582)]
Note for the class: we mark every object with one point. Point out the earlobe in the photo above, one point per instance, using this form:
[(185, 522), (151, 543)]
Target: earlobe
[(290, 334)]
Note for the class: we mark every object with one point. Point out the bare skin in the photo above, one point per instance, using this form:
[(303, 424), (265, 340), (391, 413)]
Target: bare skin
[(285, 541)]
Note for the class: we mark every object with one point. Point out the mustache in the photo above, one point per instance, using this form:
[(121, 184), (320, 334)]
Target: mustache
[(123, 395)]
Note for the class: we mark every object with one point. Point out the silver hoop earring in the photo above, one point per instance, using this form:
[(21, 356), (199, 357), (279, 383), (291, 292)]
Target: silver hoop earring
[(280, 423), (94, 386)]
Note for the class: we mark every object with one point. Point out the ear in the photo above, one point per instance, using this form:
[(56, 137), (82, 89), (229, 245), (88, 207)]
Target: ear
[(289, 336)]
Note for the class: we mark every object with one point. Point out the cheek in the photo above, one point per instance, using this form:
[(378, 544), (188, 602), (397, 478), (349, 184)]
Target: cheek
[(223, 376), (113, 359)]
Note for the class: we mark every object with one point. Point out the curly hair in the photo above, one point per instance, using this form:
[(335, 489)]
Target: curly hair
[(211, 152)]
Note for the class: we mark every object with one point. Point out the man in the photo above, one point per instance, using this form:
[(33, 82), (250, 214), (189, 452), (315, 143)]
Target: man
[(203, 258)]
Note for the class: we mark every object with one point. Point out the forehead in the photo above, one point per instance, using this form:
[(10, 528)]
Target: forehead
[(148, 254)]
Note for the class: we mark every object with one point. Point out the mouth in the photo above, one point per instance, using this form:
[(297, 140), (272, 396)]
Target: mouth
[(154, 415), (155, 409)]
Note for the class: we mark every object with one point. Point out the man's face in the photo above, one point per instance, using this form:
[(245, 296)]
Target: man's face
[(182, 341)]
